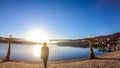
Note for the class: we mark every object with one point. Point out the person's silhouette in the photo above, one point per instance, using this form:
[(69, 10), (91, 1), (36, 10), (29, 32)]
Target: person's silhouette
[(45, 54)]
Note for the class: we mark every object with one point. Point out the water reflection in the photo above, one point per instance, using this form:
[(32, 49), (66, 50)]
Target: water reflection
[(56, 53), (37, 50)]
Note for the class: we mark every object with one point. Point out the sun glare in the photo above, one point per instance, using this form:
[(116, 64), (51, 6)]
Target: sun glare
[(37, 50), (38, 36)]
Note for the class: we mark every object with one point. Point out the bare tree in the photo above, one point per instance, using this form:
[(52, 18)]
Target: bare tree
[(92, 56), (9, 48)]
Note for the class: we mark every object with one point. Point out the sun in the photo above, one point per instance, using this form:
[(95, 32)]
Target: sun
[(38, 36)]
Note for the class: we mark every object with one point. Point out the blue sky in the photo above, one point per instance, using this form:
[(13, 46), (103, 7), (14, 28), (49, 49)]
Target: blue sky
[(60, 18)]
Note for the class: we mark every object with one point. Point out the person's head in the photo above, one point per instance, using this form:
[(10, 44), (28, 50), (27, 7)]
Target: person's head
[(44, 43)]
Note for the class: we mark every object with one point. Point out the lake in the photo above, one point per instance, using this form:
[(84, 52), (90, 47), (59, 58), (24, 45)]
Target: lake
[(56, 53)]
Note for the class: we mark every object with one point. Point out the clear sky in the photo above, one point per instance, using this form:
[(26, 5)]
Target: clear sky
[(60, 18)]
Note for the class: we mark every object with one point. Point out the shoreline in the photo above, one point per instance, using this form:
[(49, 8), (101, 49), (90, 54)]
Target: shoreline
[(65, 61), (102, 61)]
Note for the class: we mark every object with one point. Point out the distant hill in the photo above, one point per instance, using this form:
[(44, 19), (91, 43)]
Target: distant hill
[(17, 40), (84, 44), (114, 36)]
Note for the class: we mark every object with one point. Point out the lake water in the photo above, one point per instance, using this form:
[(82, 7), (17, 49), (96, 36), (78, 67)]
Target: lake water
[(56, 53)]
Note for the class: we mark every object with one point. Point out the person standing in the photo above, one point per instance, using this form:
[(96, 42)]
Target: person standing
[(45, 54)]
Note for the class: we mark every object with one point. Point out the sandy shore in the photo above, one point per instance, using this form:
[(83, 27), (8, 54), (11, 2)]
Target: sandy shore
[(111, 60)]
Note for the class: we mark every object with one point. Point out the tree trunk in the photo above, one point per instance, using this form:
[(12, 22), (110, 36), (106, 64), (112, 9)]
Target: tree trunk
[(91, 50), (9, 49)]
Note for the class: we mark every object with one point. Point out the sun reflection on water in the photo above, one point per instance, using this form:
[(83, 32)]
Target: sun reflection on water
[(37, 50)]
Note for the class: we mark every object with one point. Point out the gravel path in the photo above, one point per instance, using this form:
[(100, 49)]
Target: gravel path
[(111, 60)]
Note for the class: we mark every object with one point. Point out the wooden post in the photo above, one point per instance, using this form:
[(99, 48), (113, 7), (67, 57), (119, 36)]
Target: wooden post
[(92, 56), (9, 47)]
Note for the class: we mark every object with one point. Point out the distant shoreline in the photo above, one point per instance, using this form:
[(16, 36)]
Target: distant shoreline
[(112, 37), (29, 43)]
